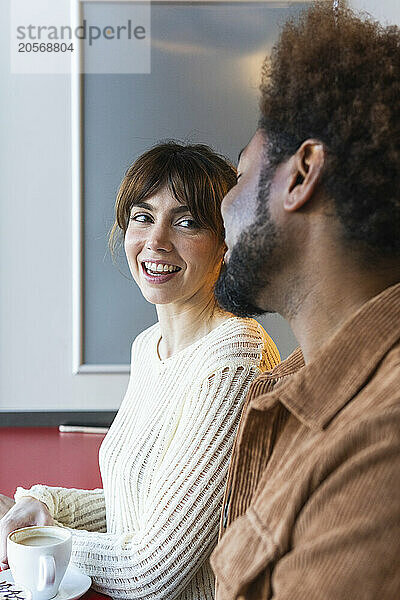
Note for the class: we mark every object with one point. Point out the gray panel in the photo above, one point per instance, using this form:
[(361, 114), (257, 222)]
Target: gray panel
[(55, 418), (202, 88)]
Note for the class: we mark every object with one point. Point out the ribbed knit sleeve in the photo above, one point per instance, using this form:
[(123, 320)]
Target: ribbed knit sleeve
[(180, 525), (81, 509)]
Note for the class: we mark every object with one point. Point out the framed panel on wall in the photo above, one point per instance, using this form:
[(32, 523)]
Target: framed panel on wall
[(202, 87)]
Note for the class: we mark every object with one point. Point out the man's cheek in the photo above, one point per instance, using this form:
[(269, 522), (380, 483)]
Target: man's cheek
[(245, 208)]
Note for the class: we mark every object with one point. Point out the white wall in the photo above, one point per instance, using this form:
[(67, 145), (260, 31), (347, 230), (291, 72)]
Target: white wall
[(35, 248), (386, 11), (35, 242)]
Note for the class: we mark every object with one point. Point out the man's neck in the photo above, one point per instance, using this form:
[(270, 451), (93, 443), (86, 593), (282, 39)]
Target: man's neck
[(329, 301)]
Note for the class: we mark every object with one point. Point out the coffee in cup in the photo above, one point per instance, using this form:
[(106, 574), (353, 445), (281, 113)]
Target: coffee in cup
[(38, 558), (40, 540)]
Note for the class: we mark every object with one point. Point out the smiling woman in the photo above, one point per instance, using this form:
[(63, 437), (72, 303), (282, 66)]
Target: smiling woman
[(149, 533), (168, 209), (164, 244)]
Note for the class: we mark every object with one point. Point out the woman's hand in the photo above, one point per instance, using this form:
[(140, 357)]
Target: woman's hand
[(25, 513), (5, 504)]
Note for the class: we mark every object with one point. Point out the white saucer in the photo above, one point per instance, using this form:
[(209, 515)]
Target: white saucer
[(73, 586)]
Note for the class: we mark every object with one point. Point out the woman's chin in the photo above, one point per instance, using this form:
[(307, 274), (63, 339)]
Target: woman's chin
[(159, 298)]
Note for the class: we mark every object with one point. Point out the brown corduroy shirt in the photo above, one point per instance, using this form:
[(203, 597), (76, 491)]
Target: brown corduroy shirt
[(312, 504)]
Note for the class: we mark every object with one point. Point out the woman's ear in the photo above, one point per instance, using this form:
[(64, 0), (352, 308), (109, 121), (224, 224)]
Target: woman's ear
[(306, 171)]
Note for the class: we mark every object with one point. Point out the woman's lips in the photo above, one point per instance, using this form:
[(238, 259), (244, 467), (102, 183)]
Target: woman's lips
[(162, 278)]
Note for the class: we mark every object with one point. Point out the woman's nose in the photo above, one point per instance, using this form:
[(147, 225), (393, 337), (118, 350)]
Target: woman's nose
[(159, 240)]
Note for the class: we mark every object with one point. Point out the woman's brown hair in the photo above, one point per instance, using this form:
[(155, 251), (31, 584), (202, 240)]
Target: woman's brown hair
[(193, 173)]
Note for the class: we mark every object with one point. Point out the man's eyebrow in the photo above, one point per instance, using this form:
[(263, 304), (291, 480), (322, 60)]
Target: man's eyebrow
[(142, 204)]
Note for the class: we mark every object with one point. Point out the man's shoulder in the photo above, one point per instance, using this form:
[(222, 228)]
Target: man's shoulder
[(370, 421), (381, 391)]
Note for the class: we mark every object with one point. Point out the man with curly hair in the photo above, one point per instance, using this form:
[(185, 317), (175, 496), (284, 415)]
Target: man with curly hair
[(311, 508)]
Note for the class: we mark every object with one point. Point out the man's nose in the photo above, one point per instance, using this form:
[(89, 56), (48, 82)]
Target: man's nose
[(226, 201)]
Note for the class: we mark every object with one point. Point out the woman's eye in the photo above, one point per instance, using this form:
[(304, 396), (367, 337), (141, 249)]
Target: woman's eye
[(188, 223), (140, 218), (238, 176)]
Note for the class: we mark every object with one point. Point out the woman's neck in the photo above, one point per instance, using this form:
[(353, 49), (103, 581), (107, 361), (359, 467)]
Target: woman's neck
[(183, 325)]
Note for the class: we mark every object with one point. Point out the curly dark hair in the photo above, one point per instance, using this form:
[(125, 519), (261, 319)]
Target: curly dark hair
[(336, 78)]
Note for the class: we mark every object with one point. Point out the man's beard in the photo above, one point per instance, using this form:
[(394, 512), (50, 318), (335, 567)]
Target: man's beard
[(252, 259)]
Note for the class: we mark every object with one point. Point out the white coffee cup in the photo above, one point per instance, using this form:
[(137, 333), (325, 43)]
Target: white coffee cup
[(38, 558)]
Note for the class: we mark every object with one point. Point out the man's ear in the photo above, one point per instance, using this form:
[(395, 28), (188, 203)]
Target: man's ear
[(306, 172)]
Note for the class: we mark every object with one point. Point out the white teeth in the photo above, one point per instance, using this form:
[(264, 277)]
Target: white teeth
[(160, 268)]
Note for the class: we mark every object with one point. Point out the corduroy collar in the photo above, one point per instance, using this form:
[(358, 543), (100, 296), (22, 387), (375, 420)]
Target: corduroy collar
[(316, 392)]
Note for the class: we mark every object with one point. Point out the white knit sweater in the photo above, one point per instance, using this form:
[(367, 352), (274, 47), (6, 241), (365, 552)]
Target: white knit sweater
[(164, 462)]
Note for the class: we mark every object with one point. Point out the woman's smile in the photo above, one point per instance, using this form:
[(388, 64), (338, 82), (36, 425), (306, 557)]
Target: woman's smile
[(159, 271)]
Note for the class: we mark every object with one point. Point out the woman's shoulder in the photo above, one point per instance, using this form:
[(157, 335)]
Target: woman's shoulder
[(146, 340), (240, 341)]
